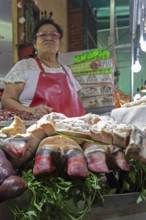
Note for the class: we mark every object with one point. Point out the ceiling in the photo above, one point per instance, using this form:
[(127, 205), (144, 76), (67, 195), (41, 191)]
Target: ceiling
[(101, 10), (113, 21)]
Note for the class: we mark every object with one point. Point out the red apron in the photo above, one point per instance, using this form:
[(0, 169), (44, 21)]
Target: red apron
[(57, 91)]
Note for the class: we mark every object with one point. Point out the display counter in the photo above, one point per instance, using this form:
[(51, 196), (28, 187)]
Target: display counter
[(115, 207), (119, 207), (122, 176)]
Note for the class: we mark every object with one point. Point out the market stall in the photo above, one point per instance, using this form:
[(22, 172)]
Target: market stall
[(89, 167), (94, 169)]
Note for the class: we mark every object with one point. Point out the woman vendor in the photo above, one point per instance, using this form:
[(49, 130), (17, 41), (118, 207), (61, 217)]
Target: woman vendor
[(42, 84)]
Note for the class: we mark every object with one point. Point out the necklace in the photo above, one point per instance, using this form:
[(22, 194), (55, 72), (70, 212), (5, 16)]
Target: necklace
[(43, 62)]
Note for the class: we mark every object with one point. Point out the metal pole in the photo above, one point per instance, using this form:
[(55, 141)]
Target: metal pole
[(112, 28), (132, 73), (134, 4)]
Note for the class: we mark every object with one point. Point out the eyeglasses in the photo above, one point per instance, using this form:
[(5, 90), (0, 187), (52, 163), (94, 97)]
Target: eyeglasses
[(52, 35)]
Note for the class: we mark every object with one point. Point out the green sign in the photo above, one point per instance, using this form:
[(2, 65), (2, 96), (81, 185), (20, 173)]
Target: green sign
[(98, 54), (102, 71), (92, 65)]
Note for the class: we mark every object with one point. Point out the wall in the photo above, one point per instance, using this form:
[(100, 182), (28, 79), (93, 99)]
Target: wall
[(75, 28), (82, 27), (59, 9)]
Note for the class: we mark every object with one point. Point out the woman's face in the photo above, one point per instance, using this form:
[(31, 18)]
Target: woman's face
[(47, 40)]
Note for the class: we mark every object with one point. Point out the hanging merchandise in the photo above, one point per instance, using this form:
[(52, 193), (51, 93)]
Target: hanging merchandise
[(120, 98), (19, 5), (22, 20), (143, 89), (22, 36), (136, 66), (137, 95)]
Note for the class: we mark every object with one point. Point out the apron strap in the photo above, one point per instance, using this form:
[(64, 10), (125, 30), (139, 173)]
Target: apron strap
[(39, 64), (42, 69)]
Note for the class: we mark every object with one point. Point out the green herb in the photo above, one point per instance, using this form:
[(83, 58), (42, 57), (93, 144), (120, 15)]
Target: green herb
[(135, 180), (63, 198), (55, 198)]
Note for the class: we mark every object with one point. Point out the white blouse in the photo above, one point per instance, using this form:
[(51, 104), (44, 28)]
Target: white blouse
[(27, 71)]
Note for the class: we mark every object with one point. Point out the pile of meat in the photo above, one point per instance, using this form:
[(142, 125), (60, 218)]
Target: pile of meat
[(70, 146), (9, 114)]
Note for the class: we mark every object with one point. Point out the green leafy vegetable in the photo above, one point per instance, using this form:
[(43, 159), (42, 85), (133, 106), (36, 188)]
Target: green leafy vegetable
[(135, 180), (55, 198), (63, 198)]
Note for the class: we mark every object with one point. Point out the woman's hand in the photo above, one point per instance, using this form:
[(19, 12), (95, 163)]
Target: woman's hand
[(10, 100), (40, 110)]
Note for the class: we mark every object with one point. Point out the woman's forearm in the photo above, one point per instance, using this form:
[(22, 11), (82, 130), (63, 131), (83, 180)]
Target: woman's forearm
[(13, 104), (39, 110)]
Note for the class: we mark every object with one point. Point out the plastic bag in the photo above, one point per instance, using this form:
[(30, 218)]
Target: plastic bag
[(120, 98)]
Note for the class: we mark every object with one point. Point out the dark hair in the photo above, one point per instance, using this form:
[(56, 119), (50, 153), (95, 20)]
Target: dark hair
[(43, 22)]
